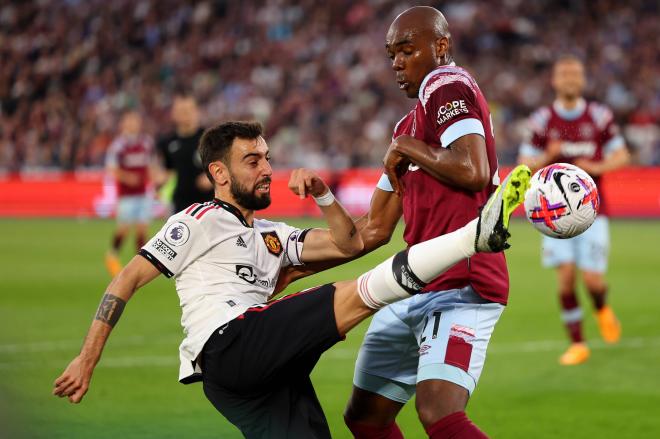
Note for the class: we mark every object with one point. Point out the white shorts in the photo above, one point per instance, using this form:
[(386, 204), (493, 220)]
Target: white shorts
[(589, 251), (441, 335), (134, 209)]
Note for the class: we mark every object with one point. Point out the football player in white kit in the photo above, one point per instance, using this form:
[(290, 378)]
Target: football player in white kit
[(254, 357)]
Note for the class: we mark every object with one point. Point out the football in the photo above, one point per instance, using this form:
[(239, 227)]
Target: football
[(562, 201)]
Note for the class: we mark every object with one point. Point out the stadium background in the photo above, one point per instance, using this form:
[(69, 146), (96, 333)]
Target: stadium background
[(316, 75)]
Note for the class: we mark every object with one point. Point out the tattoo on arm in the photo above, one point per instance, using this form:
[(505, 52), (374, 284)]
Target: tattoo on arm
[(352, 232), (110, 309)]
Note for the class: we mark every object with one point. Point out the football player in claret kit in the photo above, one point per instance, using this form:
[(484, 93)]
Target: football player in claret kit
[(440, 168), (442, 161), (131, 162), (254, 357), (574, 130)]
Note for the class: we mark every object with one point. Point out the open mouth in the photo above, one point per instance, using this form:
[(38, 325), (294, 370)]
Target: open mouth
[(263, 188), (403, 85)]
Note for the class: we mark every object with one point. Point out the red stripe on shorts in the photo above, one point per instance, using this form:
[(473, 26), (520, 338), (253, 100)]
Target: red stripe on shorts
[(458, 353), (273, 302)]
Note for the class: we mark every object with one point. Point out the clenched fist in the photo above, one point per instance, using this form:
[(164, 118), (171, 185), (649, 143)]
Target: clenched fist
[(305, 182)]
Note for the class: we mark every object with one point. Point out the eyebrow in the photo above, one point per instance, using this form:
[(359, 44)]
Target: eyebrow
[(401, 42), (255, 154), (251, 154)]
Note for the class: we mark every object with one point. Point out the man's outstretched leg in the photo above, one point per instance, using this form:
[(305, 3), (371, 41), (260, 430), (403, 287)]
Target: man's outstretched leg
[(409, 271)]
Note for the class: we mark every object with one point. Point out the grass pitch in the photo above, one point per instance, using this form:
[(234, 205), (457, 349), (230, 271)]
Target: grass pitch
[(52, 278)]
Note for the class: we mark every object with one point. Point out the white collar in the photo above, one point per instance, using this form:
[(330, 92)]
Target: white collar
[(431, 73), (571, 114)]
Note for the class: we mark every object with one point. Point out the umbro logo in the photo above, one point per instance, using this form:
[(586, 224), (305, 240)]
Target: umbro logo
[(240, 242)]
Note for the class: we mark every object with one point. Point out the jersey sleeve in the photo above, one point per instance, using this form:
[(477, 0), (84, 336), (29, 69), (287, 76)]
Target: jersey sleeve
[(609, 133), (176, 245), (293, 242), (384, 184), (112, 155), (535, 135), (451, 107)]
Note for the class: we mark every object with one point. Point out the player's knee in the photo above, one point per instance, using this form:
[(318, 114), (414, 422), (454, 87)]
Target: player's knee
[(566, 291), (369, 408), (433, 408), (430, 414), (594, 282)]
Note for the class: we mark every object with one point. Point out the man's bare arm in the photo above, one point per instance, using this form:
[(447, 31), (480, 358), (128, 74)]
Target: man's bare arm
[(614, 161), (376, 229), (74, 381), (463, 164), (340, 240)]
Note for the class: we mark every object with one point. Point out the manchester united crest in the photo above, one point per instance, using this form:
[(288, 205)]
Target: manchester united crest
[(273, 243)]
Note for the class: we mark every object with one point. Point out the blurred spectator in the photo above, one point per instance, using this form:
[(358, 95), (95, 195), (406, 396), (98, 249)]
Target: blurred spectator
[(315, 73)]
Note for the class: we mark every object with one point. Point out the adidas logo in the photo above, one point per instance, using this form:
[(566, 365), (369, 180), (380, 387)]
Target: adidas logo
[(240, 242)]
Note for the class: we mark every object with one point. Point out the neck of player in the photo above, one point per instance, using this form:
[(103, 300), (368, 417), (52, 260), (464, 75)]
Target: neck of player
[(186, 130), (226, 196), (569, 102)]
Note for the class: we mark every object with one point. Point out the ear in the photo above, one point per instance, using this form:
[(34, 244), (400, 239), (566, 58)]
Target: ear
[(441, 47), (219, 172)]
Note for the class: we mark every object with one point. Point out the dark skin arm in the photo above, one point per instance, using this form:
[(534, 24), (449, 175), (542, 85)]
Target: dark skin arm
[(376, 228), (464, 164)]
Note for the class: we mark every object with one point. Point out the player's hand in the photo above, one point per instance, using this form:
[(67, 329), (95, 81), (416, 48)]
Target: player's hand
[(74, 381), (396, 162), (592, 168), (305, 182)]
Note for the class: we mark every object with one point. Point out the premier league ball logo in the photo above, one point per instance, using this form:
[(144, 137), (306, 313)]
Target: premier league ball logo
[(177, 234)]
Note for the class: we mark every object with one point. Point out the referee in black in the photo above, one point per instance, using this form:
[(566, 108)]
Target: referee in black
[(180, 155)]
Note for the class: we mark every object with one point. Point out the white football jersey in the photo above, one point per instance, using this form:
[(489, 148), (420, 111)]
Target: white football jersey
[(221, 266)]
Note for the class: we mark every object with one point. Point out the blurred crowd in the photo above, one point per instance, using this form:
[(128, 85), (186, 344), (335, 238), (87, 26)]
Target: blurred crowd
[(314, 73)]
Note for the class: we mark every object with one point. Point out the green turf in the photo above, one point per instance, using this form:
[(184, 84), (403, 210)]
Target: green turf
[(52, 277)]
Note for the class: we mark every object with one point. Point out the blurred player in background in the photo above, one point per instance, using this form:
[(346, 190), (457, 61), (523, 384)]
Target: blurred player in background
[(130, 160), (573, 130), (180, 155)]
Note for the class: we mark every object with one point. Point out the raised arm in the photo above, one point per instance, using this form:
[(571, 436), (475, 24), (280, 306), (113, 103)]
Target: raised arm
[(463, 164), (74, 381), (375, 227), (340, 240)]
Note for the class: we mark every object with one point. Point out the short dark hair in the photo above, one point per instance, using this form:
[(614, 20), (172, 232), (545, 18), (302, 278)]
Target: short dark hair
[(216, 142)]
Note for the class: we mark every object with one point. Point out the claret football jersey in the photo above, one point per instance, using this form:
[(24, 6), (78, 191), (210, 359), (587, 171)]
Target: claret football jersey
[(221, 266), (450, 106), (133, 154), (587, 131)]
